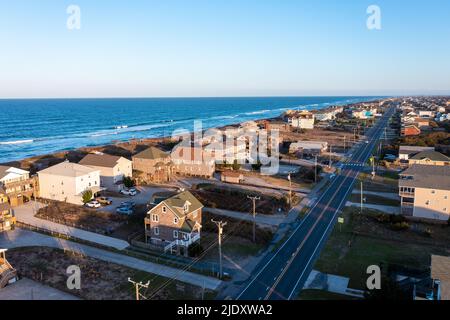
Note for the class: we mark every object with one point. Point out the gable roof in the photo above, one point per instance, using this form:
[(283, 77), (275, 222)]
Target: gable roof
[(68, 169), (177, 202), (413, 149), (432, 155), (151, 153), (11, 172), (100, 160)]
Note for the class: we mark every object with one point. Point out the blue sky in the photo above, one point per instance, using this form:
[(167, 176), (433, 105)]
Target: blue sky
[(223, 48)]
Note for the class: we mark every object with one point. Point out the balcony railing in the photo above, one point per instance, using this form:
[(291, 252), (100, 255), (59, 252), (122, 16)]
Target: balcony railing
[(406, 194), (183, 243)]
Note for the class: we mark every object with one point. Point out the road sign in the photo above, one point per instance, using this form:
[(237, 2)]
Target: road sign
[(341, 220)]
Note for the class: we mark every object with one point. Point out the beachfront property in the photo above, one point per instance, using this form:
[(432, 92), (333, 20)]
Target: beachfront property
[(308, 148), (113, 169), (17, 185), (429, 157), (300, 119), (174, 223), (8, 274), (363, 114), (193, 162), (425, 192), (153, 165), (328, 114), (68, 181), (227, 151), (277, 125), (7, 219)]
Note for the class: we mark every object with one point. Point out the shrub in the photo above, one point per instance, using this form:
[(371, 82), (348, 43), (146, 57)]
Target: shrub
[(400, 226), (397, 219), (428, 232), (236, 165), (128, 182), (195, 249), (87, 196)]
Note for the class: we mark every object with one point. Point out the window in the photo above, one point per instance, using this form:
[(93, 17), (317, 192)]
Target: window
[(156, 231), (427, 203), (164, 209), (155, 218), (175, 234), (175, 220), (433, 191)]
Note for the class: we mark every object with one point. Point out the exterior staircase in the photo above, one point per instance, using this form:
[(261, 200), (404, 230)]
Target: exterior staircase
[(7, 272)]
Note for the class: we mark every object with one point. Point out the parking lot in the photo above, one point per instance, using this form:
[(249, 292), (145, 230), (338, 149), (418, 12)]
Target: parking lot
[(143, 197)]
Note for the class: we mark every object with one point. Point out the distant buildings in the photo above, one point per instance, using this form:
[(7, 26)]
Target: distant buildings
[(154, 164), (425, 191), (300, 119), (112, 169), (17, 185), (68, 181), (430, 157), (175, 223), (410, 130), (405, 152), (305, 148), (192, 161)]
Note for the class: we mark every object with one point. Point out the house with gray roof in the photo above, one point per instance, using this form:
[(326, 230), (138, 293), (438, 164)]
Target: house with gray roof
[(425, 191), (174, 223)]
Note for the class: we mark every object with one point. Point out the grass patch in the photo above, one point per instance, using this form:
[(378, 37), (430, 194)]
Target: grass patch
[(375, 199)]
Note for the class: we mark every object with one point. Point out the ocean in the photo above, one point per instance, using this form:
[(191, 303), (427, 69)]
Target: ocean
[(41, 126)]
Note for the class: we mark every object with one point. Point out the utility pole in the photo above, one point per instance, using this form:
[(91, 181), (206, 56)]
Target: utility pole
[(290, 189), (315, 170), (362, 197), (138, 286), (254, 213), (329, 165), (220, 225), (345, 144)]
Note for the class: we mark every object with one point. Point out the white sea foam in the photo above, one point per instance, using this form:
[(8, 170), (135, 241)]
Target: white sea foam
[(16, 142)]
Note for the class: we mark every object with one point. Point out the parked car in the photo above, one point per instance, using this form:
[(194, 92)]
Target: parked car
[(129, 192), (130, 204), (124, 210), (104, 200), (93, 204)]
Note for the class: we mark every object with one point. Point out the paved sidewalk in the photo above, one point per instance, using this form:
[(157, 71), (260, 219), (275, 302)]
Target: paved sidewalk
[(26, 212), (385, 209), (387, 195), (24, 238), (331, 283)]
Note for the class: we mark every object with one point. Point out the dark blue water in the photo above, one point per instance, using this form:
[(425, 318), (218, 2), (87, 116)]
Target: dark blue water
[(36, 127)]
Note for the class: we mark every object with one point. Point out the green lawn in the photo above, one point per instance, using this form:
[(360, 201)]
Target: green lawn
[(349, 256)]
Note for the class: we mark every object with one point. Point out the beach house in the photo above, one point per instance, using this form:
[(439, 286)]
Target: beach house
[(17, 185), (425, 192), (68, 181), (112, 169), (153, 165), (192, 161), (7, 219), (174, 223), (300, 119)]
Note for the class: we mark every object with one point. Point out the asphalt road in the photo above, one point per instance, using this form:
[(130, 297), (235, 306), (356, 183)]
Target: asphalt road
[(281, 276)]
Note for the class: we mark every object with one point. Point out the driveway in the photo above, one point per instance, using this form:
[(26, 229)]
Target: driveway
[(143, 197), (26, 212), (23, 238)]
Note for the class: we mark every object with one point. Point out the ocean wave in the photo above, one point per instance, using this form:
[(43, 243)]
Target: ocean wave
[(16, 142), (256, 112)]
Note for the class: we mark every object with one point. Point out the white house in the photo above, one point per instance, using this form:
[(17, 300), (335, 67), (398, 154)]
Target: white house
[(112, 169), (68, 181), (303, 119)]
